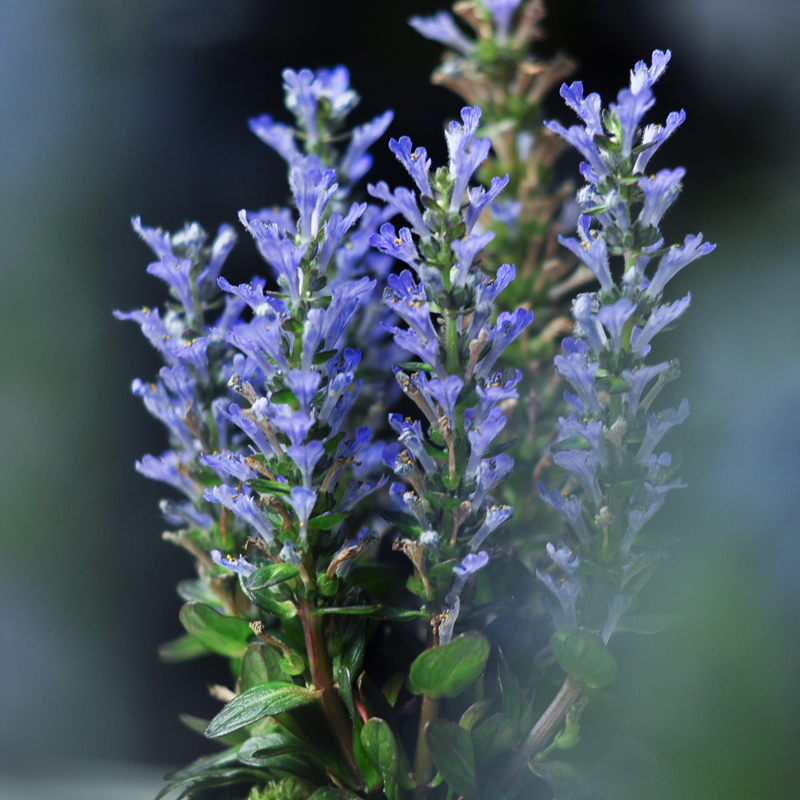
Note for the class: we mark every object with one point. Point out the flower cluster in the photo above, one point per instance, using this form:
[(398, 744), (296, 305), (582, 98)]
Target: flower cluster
[(448, 306), (607, 443)]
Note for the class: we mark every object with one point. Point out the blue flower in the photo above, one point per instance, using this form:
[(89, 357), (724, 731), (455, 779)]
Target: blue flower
[(591, 430), (417, 163), (399, 246), (263, 335), (587, 324), (479, 198), (660, 317), (490, 472), (637, 379), (296, 426), (499, 387), (583, 142), (614, 318), (312, 186), (356, 161), (335, 229), (466, 249), (253, 295), (446, 394), (565, 591), (228, 464), (629, 110), (571, 509), (587, 109), (576, 368), (495, 517), (481, 436), (404, 202), (509, 326), (657, 427), (304, 385), (243, 504), (278, 136), (502, 12), (466, 153), (655, 135), (675, 259), (163, 407), (302, 501), (238, 565), (583, 465), (660, 192), (442, 28), (468, 567), (168, 469), (643, 77), (305, 457), (591, 250)]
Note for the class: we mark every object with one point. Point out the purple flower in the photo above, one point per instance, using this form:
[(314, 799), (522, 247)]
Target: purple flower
[(184, 514), (571, 509), (409, 433), (660, 192), (495, 517), (335, 229), (446, 394), (404, 201), (417, 163), (168, 469), (576, 368), (587, 324), (656, 135), (614, 318), (163, 408), (490, 472), (253, 294), (583, 465), (228, 464), (176, 273), (155, 238), (481, 436), (637, 379), (356, 492), (466, 249), (305, 457), (356, 161), (256, 435), (194, 353), (643, 77), (263, 335), (502, 12), (399, 246), (591, 430), (238, 565), (566, 591), (591, 250), (466, 153), (657, 426), (583, 143), (303, 501), (290, 555), (442, 28), (660, 317), (279, 251), (296, 426), (152, 327), (675, 259), (629, 110), (468, 567), (312, 336), (304, 385), (509, 326), (278, 136), (588, 110), (495, 390), (243, 504), (301, 100), (479, 198), (312, 186)]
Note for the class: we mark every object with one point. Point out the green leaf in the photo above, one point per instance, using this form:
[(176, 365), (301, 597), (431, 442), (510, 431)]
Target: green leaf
[(325, 523), (344, 610), (260, 664), (474, 714), (647, 623), (391, 688), (400, 614), (494, 735), (443, 569), (444, 501), (268, 487), (271, 575), (512, 699), (404, 523), (195, 590), (269, 602), (205, 763), (280, 751), (570, 443), (224, 635), (261, 701), (284, 396), (331, 445), (613, 385), (293, 326), (184, 648), (329, 793), (415, 366), (451, 749), (323, 357), (216, 777), (582, 654), (499, 448), (448, 670), (381, 749)]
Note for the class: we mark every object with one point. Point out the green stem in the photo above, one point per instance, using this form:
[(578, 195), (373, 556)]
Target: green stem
[(451, 330), (322, 676), (423, 763)]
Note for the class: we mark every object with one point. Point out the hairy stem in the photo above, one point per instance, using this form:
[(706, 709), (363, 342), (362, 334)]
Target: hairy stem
[(323, 680)]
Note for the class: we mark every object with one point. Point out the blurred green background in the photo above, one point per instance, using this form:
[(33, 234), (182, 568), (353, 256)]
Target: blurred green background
[(113, 108)]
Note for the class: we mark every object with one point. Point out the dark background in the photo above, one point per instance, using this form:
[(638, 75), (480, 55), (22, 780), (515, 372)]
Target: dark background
[(111, 109)]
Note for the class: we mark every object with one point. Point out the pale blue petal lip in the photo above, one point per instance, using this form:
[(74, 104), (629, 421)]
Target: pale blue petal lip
[(442, 28), (238, 565)]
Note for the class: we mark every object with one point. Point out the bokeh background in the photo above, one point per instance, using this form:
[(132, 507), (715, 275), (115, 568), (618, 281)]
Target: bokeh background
[(112, 108)]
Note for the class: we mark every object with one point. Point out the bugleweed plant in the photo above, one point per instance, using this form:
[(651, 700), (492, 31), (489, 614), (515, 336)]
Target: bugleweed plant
[(363, 397)]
